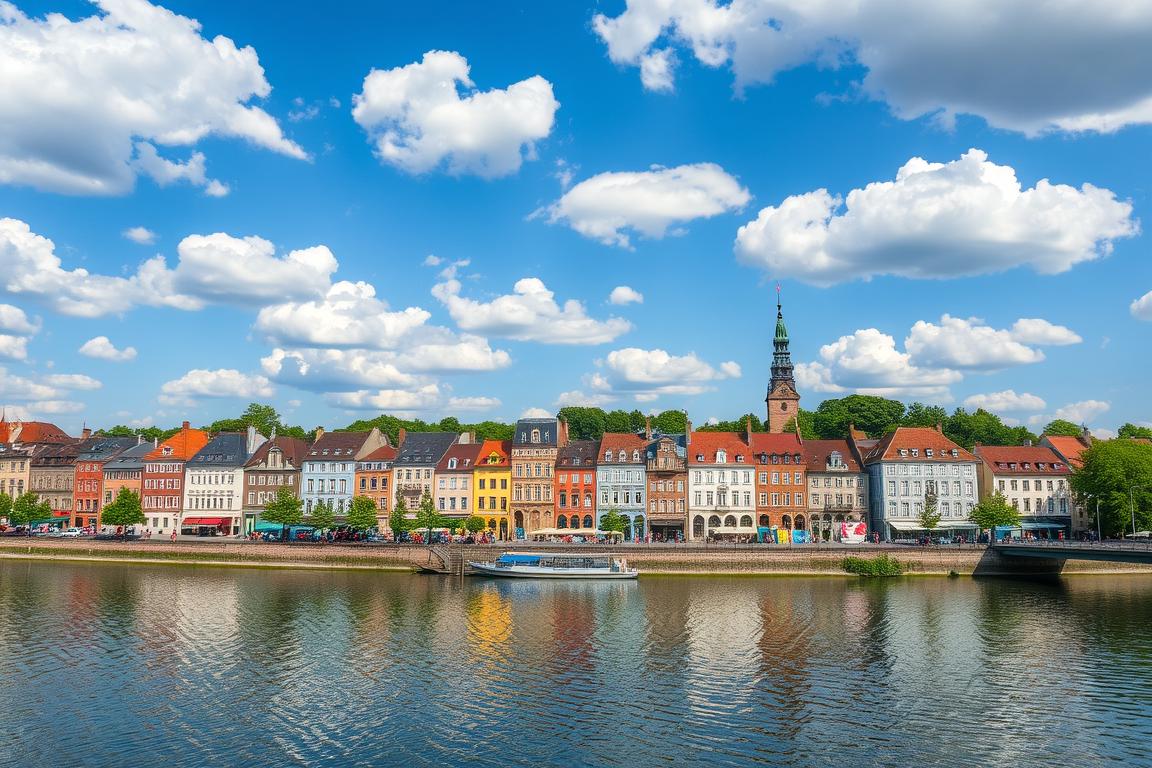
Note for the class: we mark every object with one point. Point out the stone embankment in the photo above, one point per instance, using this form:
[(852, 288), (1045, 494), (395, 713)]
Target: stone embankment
[(649, 559)]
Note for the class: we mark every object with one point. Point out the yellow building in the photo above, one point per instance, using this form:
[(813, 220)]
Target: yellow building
[(492, 486)]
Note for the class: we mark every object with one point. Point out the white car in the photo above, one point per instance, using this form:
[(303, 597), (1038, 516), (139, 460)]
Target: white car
[(72, 533)]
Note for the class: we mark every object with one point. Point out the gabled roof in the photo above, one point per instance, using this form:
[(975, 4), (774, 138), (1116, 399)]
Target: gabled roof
[(62, 455), (465, 454), (133, 458), (1022, 460), (104, 448), (1069, 447), (547, 429), (31, 432), (778, 443), (704, 446), (383, 453), (228, 450), (495, 454), (425, 448), (678, 439), (817, 454), (292, 448), (337, 445), (900, 443), (629, 443), (578, 453), (183, 445)]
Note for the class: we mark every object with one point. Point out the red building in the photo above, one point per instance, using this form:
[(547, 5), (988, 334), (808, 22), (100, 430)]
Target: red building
[(88, 481), (781, 481), (574, 491), (162, 481)]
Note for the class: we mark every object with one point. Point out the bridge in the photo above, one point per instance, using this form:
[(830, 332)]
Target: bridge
[(1048, 557)]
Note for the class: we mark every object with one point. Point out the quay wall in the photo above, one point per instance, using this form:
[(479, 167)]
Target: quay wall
[(649, 559)]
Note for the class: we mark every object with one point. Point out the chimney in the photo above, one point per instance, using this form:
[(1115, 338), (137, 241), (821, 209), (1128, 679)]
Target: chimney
[(156, 442), (1027, 443), (748, 429), (647, 427), (185, 425), (561, 432), (250, 444), (85, 433), (687, 430), (403, 434), (139, 438)]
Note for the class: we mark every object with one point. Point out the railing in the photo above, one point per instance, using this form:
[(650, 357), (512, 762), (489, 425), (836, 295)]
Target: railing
[(1121, 545)]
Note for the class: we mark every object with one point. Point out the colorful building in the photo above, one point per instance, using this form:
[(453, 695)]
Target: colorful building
[(214, 484), (454, 488), (493, 483), (329, 471), (275, 465), (1070, 449), (575, 487), (53, 471), (125, 471), (1034, 480), (837, 485), (415, 466), (535, 443), (667, 476), (374, 481), (721, 486), (162, 478), (781, 486), (620, 480), (88, 484)]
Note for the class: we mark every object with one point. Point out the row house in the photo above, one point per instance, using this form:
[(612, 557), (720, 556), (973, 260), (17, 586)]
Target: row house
[(20, 443), (906, 466), (666, 470), (535, 444), (374, 480), (781, 485), (329, 470), (15, 468), (1070, 450), (454, 479), (53, 471), (415, 466), (620, 482), (125, 472), (1034, 479), (162, 478), (837, 486), (274, 465), (493, 481), (88, 484), (721, 485), (575, 488), (214, 484)]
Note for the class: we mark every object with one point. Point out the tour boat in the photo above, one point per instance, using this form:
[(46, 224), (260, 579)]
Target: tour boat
[(528, 565)]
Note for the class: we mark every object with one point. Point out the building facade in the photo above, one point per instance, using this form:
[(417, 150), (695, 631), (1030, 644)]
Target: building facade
[(454, 481), (53, 471), (415, 468), (214, 485), (493, 480), (535, 444), (88, 483), (329, 470), (837, 486), (374, 481), (781, 485), (666, 472), (721, 486), (783, 401), (124, 471), (1070, 450), (1034, 479), (274, 465), (162, 478), (621, 484), (575, 488)]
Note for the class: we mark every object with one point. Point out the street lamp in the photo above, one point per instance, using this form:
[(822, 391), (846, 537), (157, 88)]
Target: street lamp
[(1099, 538)]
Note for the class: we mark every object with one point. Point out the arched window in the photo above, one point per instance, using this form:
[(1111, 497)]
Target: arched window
[(713, 521), (799, 522), (563, 499), (698, 526), (786, 521), (491, 523), (730, 521), (721, 457), (765, 521), (535, 435), (562, 522), (635, 455), (746, 521), (607, 455), (587, 521)]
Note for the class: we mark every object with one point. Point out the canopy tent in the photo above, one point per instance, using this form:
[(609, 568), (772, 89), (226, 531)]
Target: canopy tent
[(47, 521), (1041, 526), (213, 522), (914, 525)]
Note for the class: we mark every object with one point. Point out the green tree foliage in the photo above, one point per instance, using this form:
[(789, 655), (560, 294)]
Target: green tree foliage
[(929, 517), (391, 426), (427, 517), (148, 433), (612, 521), (26, 508), (1111, 469), (1131, 430), (807, 425), (6, 507), (882, 565), (874, 415), (475, 524), (739, 425), (994, 511), (284, 508), (398, 519), (322, 517), (670, 422), (1063, 428), (584, 423), (124, 510), (265, 419), (921, 415), (984, 428), (362, 514)]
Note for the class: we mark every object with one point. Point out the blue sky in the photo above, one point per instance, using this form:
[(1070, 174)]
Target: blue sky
[(584, 155)]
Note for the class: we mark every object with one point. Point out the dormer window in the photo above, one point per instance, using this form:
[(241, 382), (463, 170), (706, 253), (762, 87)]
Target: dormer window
[(1041, 465), (775, 458), (915, 452), (699, 457), (721, 457), (325, 452), (739, 458), (1027, 465), (1056, 467), (535, 435), (607, 455), (903, 451), (451, 463), (787, 458), (955, 453), (928, 452), (635, 455), (835, 460), (167, 451)]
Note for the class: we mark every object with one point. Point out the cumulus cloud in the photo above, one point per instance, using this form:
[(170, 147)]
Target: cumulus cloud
[(1007, 400), (13, 347), (473, 403), (608, 206), (529, 313), (1142, 307), (1078, 69), (1082, 412), (936, 220), (15, 328), (868, 362), (222, 382), (72, 381), (102, 348), (536, 413), (223, 268), (1034, 330), (646, 374), (622, 295), (969, 344), (582, 399), (123, 81), (419, 118), (349, 315), (140, 235), (424, 398), (15, 387)]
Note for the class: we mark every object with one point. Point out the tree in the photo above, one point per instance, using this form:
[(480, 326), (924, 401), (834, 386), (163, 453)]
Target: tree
[(426, 516), (807, 428), (929, 517), (612, 521), (1131, 430), (475, 524), (983, 427), (362, 514), (6, 507), (920, 415), (398, 520), (670, 422), (1062, 428), (1117, 473), (993, 512), (125, 510), (869, 413), (284, 508), (322, 517), (25, 509)]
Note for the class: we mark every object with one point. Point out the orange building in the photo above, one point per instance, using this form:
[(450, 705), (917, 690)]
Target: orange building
[(374, 481), (88, 482), (575, 492), (124, 472), (162, 479), (781, 481)]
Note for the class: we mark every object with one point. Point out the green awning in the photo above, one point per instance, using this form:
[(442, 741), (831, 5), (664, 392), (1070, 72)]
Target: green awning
[(62, 521)]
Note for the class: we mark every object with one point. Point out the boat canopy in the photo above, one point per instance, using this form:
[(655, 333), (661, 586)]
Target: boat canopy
[(513, 559)]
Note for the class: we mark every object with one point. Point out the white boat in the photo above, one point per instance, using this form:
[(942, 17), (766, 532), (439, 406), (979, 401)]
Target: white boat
[(556, 565)]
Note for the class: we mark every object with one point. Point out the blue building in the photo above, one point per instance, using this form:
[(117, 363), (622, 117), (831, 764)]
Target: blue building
[(329, 470)]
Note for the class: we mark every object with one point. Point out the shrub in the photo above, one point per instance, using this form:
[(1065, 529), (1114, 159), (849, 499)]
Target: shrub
[(882, 565)]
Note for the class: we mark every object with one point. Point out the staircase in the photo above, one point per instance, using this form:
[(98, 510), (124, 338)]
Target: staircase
[(445, 559)]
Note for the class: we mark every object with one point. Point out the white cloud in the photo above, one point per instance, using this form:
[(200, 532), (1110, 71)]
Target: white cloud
[(473, 403), (868, 362), (1082, 412), (583, 399), (536, 413), (1034, 330), (622, 294), (349, 315), (13, 347), (1007, 400), (121, 83), (72, 381), (15, 328), (432, 260), (529, 313), (418, 119), (140, 235), (17, 387), (935, 220), (424, 398), (605, 207), (222, 268), (1079, 68), (101, 347), (1142, 307), (56, 406), (222, 382), (966, 344), (646, 374), (1103, 433)]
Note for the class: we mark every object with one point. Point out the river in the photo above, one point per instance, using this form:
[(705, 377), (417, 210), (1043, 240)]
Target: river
[(126, 665)]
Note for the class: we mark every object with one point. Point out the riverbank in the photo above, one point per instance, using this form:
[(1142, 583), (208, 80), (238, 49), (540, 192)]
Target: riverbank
[(758, 560)]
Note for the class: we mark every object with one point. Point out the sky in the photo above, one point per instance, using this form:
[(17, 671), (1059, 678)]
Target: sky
[(495, 210)]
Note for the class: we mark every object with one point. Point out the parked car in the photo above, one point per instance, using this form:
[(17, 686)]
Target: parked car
[(72, 533)]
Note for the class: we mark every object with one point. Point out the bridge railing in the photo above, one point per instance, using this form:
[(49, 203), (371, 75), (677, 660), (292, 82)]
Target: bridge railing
[(1119, 545)]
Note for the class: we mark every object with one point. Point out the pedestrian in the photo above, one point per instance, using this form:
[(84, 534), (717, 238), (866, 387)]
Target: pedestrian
[(173, 535)]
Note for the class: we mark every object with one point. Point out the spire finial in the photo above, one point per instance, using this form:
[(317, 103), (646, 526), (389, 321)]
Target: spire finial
[(779, 308)]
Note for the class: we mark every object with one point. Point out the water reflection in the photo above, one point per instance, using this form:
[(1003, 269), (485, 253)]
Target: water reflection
[(112, 665)]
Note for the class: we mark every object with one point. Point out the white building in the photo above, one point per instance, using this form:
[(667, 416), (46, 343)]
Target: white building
[(721, 486), (213, 502), (1034, 479)]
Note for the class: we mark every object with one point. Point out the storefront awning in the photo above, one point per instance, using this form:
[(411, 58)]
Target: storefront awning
[(914, 525), (905, 525), (212, 521), (962, 524)]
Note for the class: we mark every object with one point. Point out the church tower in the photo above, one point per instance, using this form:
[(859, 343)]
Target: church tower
[(783, 400)]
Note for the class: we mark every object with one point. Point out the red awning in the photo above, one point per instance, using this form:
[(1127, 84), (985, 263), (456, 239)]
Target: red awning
[(213, 521)]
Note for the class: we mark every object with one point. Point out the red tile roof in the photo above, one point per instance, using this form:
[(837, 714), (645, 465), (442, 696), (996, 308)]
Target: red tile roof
[(383, 453), (293, 449), (627, 442), (772, 442), (1068, 447), (817, 452), (465, 454), (919, 439), (703, 447), (32, 432), (1021, 459), (184, 444), (498, 451)]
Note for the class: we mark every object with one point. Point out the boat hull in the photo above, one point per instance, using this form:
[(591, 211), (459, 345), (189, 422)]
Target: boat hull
[(537, 572)]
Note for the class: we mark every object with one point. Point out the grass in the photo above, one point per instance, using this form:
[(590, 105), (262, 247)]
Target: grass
[(882, 565)]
